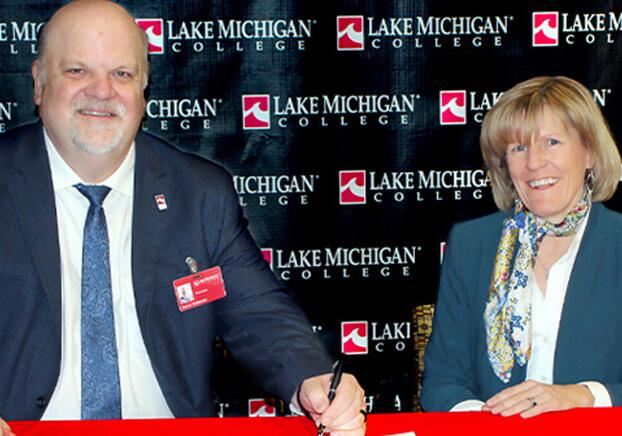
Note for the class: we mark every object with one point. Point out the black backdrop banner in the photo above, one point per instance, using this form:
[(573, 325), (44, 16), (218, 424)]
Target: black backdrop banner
[(351, 129)]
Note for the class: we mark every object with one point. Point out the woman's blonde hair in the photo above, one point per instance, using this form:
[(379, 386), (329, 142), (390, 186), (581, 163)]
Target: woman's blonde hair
[(515, 117)]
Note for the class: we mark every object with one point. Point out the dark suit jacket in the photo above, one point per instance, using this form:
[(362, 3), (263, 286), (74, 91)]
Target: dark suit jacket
[(589, 343), (261, 325)]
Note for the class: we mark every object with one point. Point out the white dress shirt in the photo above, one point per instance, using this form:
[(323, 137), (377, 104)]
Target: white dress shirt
[(546, 312), (141, 396)]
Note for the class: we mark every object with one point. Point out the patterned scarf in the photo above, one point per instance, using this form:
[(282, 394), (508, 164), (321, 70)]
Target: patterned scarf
[(508, 309)]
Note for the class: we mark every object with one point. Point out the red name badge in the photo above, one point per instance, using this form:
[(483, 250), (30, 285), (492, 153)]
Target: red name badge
[(198, 289)]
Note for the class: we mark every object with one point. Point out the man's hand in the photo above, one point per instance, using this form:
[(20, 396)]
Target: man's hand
[(5, 430), (343, 416), (532, 398)]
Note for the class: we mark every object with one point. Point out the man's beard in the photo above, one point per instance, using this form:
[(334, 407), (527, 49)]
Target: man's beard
[(116, 134)]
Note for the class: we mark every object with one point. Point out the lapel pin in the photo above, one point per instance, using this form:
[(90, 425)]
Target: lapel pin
[(193, 265), (161, 202)]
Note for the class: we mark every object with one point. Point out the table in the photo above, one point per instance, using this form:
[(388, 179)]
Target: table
[(584, 422)]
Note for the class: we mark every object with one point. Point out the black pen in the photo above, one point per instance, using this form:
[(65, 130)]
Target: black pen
[(337, 368), (334, 382)]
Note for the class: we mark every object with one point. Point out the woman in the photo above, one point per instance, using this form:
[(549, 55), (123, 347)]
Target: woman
[(529, 312)]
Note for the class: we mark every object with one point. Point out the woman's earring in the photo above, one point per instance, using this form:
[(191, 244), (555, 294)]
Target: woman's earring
[(589, 180), (518, 204)]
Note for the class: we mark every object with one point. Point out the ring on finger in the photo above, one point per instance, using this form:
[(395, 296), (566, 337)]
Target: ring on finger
[(533, 401)]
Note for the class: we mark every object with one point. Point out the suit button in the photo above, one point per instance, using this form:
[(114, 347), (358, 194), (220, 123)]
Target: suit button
[(41, 402)]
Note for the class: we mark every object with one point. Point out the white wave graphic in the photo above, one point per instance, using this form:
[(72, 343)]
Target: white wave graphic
[(356, 338), (153, 38), (261, 412), (351, 33), (548, 30), (357, 190), (258, 113), (453, 107)]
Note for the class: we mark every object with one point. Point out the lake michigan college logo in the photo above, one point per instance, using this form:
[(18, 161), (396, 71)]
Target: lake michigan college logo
[(354, 337), (258, 407), (452, 107), (256, 112), (545, 29), (350, 35), (268, 256), (352, 187), (154, 28)]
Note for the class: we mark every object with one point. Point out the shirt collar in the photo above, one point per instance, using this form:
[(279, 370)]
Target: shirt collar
[(63, 177)]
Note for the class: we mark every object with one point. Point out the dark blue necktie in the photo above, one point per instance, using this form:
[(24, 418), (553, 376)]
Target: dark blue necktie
[(101, 395)]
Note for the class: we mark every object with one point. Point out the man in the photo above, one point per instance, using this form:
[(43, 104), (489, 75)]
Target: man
[(164, 208)]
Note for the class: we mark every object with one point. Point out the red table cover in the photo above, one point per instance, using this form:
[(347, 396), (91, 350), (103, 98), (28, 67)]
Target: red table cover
[(593, 422)]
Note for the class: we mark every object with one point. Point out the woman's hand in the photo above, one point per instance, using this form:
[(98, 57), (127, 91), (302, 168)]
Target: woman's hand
[(532, 398)]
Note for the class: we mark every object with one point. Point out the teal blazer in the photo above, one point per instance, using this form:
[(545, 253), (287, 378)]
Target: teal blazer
[(589, 342)]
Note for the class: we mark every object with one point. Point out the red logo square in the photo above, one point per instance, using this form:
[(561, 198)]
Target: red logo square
[(259, 407), (256, 112), (453, 107), (354, 337), (154, 28), (352, 187), (350, 33), (267, 255), (545, 29)]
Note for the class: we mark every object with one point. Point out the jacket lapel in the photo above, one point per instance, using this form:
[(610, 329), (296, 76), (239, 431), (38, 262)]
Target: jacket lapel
[(149, 224), (579, 295), (32, 192)]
